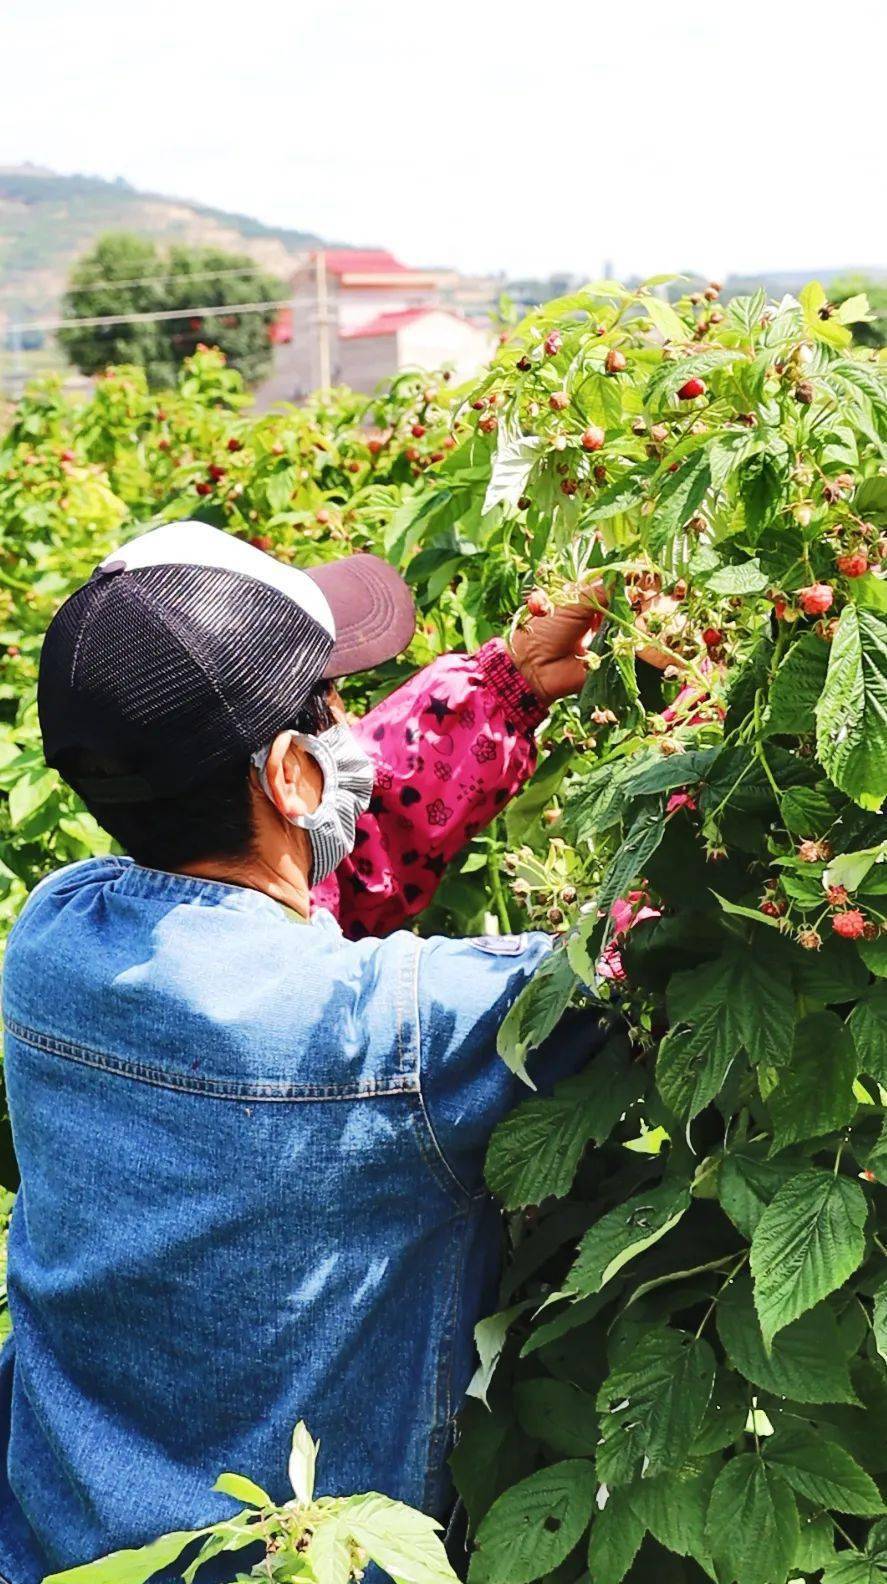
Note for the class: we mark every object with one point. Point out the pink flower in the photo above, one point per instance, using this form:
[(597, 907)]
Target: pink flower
[(681, 800)]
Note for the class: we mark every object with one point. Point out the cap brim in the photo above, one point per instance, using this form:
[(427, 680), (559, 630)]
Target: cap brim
[(373, 610)]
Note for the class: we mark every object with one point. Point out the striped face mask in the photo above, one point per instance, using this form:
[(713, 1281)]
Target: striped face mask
[(347, 788)]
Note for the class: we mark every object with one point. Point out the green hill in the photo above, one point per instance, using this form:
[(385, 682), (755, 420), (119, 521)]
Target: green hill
[(47, 220)]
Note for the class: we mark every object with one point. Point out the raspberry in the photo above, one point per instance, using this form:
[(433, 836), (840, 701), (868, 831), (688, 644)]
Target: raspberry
[(234, 444), (553, 342), (816, 599), (837, 895), (488, 424), (538, 603), (216, 472), (814, 852), (712, 637), (849, 925), (810, 939), (558, 400), (854, 564), (417, 430), (691, 388), (615, 361), (593, 438), (771, 909), (203, 488)]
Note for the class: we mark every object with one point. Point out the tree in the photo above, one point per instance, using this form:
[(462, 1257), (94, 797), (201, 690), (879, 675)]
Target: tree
[(874, 334), (125, 274)]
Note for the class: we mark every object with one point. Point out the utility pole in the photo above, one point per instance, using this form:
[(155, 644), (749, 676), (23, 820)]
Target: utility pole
[(323, 327)]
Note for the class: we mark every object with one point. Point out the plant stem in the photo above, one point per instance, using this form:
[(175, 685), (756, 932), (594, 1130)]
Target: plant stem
[(497, 889)]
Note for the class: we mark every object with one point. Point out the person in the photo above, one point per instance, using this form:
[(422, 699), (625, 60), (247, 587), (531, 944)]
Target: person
[(249, 1108)]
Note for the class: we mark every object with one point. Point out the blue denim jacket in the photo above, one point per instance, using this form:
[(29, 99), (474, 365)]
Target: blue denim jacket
[(251, 1157)]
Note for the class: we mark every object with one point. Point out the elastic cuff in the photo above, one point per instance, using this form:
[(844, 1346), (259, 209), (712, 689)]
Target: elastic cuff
[(501, 674)]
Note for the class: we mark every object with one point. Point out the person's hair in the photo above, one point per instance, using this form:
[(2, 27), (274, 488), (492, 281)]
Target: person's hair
[(210, 820)]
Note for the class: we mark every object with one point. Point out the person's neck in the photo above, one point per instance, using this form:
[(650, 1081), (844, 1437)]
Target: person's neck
[(282, 878)]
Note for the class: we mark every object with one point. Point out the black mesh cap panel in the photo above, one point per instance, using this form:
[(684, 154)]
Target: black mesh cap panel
[(175, 671)]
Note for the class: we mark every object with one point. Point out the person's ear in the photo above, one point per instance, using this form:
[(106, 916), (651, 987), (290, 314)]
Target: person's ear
[(294, 780)]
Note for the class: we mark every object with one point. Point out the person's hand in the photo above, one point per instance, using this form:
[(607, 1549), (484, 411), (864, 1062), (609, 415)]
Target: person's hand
[(548, 650)]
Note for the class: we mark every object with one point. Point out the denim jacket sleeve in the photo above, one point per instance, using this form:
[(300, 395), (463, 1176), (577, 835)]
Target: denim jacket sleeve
[(465, 988)]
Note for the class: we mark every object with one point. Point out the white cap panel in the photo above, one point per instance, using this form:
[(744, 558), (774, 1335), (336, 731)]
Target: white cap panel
[(199, 544)]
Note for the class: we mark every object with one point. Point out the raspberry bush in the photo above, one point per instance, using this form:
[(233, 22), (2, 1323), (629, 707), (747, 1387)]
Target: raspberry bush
[(687, 1376)]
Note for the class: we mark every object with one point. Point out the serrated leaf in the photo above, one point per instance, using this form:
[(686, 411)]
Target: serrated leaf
[(615, 1539), (679, 498), (558, 1414), (807, 1362), (401, 1540), (797, 687), (823, 1472), (806, 812), (535, 1151), (536, 1012), (664, 319), (868, 1026), (879, 1318), (531, 1528), (130, 1567), (652, 1405), (673, 1507), (752, 1527), (814, 1094), (690, 1070), (807, 1242), (617, 498), (739, 579), (622, 1234), (669, 377), (490, 1336), (740, 999), (851, 715), (29, 793), (747, 1182)]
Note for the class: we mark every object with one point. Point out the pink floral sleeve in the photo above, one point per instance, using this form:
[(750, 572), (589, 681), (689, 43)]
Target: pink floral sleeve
[(451, 747)]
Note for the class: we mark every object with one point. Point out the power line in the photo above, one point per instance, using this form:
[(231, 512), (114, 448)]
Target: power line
[(217, 309)]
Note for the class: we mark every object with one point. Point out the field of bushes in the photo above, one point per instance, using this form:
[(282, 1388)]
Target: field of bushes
[(686, 1378)]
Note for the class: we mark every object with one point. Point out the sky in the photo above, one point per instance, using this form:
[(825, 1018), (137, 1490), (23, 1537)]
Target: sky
[(486, 136)]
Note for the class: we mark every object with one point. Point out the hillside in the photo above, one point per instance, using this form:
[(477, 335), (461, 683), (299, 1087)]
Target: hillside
[(47, 220)]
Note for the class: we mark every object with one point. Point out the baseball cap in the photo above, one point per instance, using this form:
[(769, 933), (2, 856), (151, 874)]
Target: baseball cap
[(189, 649)]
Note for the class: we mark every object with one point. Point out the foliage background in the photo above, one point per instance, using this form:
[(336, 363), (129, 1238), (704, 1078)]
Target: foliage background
[(687, 1375)]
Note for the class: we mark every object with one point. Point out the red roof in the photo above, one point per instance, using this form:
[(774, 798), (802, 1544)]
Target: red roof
[(390, 323), (369, 261)]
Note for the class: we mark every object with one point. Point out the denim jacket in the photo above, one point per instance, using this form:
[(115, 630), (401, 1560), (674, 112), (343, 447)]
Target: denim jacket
[(251, 1156)]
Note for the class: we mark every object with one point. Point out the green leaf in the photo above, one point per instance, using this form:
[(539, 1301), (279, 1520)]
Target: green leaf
[(852, 1567), (879, 1319), (807, 1362), (615, 499), (535, 1151), (740, 999), (747, 1181), (639, 845), (673, 1507), (280, 487), (814, 1094), (536, 1012), (558, 1414), (652, 1405), (512, 466), (328, 1553), (29, 793), (615, 1539), (851, 715), (823, 1472), (752, 1525), (669, 377), (868, 1025), (243, 1490), (797, 687), (302, 1464), (807, 1242), (740, 579), (130, 1567), (690, 1070), (664, 319), (680, 496), (399, 1539), (535, 1525), (806, 812), (490, 1335), (622, 1234)]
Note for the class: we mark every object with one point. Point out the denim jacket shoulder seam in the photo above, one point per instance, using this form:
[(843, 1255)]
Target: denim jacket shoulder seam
[(270, 1091), (465, 1192)]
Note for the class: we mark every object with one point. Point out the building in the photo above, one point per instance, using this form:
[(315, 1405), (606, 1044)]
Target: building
[(360, 316)]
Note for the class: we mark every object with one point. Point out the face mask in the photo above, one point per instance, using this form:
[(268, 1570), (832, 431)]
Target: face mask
[(347, 787)]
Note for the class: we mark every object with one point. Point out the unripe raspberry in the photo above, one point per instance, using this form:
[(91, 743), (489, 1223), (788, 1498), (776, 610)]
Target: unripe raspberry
[(488, 424), (804, 393), (553, 343), (659, 433), (593, 438), (558, 400), (802, 514), (615, 361), (810, 939)]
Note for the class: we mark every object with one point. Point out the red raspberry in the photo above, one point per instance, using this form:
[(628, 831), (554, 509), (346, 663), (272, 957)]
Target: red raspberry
[(816, 599), (488, 425), (538, 603), (203, 488), (234, 444), (854, 564), (849, 925), (691, 388), (417, 430), (553, 342), (216, 472), (593, 438), (712, 637)]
